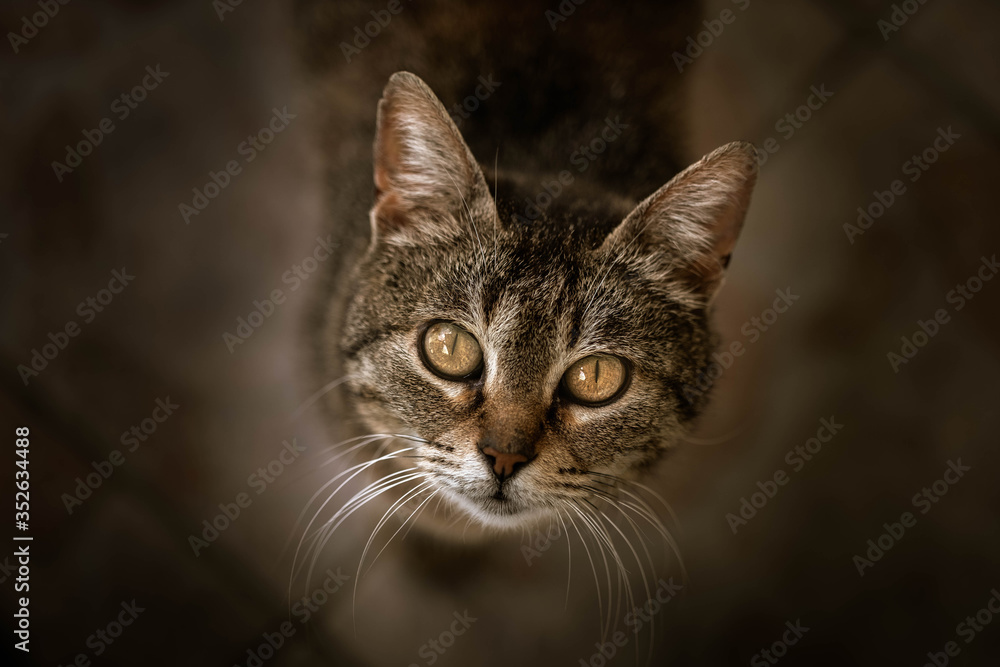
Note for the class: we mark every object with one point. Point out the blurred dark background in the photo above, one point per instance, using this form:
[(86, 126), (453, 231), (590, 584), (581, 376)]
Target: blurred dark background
[(222, 74)]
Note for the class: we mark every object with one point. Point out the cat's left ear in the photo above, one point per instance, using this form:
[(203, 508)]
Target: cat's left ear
[(685, 231)]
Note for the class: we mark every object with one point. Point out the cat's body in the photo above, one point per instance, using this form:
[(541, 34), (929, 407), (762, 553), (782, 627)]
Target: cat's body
[(562, 257)]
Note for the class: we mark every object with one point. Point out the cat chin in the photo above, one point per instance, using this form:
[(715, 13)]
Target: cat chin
[(497, 515)]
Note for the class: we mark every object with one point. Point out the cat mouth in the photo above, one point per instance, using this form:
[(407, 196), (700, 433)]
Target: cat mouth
[(498, 505), (505, 502), (501, 505)]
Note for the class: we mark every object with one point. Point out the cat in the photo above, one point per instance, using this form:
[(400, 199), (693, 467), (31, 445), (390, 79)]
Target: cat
[(525, 303), (530, 358)]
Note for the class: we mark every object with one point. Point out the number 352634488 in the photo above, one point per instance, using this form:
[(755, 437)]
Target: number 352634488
[(21, 497)]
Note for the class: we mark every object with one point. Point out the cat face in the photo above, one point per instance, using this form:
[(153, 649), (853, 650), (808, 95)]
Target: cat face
[(536, 361)]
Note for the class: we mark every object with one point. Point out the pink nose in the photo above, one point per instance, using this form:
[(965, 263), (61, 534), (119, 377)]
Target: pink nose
[(504, 463)]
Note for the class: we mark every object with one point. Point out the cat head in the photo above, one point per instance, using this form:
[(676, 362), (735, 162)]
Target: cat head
[(532, 361)]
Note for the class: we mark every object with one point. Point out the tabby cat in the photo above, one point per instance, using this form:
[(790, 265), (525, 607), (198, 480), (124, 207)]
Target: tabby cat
[(522, 306), (530, 358)]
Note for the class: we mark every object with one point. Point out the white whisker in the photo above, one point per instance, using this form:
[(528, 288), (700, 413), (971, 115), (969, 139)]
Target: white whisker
[(422, 486), (356, 469), (329, 386), (569, 557), (356, 503)]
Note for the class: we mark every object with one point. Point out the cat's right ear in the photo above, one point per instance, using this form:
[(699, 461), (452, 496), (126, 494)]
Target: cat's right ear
[(684, 233), (426, 179)]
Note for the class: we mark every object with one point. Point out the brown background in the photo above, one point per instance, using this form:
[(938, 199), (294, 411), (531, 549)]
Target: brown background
[(825, 357)]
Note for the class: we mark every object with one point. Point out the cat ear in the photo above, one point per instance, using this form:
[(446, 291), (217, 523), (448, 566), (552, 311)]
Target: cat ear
[(426, 179), (685, 231)]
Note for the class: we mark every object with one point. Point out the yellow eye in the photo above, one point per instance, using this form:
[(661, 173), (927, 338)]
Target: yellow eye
[(452, 352), (595, 379)]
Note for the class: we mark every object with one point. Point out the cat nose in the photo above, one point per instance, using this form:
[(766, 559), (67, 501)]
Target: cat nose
[(504, 464)]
